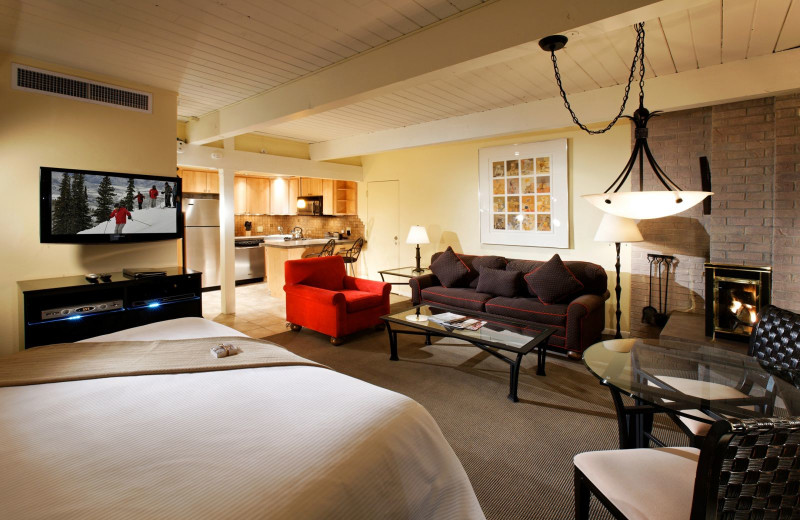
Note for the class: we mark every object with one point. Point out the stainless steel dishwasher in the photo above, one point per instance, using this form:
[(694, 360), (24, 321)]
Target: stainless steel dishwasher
[(250, 260)]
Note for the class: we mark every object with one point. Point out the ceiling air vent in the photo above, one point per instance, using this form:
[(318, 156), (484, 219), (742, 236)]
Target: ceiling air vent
[(54, 84)]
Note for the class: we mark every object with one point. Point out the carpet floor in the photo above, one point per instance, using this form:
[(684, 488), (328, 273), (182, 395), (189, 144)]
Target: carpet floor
[(518, 456)]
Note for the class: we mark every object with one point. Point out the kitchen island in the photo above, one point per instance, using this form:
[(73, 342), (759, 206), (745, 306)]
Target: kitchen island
[(279, 251)]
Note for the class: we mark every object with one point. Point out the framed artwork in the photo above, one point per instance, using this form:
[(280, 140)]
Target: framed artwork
[(524, 196)]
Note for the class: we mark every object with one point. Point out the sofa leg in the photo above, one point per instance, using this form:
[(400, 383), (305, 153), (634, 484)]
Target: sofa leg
[(574, 355), (336, 341), (295, 328)]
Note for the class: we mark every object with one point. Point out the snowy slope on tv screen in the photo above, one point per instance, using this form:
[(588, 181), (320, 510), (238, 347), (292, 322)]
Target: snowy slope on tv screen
[(84, 204)]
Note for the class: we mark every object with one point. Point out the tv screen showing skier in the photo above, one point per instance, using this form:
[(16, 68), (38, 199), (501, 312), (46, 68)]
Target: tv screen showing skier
[(87, 206)]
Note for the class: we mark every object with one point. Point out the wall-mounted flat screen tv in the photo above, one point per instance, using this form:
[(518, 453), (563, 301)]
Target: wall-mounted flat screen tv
[(82, 206)]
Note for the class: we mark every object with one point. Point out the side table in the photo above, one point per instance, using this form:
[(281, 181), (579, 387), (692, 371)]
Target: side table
[(403, 272)]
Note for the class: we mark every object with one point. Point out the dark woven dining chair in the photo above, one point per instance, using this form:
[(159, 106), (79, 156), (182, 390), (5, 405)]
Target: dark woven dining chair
[(775, 340), (351, 255), (327, 250), (747, 468)]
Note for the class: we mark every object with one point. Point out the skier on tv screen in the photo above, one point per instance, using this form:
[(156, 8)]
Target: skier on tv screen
[(139, 198), (121, 214), (153, 196)]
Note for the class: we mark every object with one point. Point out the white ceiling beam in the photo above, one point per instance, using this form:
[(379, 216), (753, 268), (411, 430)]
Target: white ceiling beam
[(489, 29), (195, 156), (771, 74)]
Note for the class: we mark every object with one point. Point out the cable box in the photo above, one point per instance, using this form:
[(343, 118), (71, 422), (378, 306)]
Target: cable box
[(140, 272)]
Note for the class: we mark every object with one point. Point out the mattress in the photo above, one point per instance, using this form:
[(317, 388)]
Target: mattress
[(282, 442)]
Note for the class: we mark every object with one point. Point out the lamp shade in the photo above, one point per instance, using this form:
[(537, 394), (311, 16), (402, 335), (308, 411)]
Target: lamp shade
[(417, 235), (646, 204), (617, 229)]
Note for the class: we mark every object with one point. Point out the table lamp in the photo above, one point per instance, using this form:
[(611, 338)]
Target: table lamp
[(417, 235), (617, 229)]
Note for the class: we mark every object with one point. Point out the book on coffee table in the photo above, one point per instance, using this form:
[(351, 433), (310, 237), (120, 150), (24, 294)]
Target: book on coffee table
[(457, 321)]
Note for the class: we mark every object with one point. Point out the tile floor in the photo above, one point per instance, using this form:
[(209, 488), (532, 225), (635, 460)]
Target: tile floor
[(257, 314)]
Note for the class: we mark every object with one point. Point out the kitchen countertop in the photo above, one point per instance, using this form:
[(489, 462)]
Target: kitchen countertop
[(308, 242)]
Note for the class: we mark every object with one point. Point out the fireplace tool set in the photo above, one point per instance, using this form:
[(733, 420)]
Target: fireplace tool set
[(651, 315)]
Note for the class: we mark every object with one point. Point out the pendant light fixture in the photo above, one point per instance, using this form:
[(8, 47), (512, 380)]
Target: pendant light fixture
[(631, 204)]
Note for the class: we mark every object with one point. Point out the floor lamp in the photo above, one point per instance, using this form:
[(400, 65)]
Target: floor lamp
[(617, 229)]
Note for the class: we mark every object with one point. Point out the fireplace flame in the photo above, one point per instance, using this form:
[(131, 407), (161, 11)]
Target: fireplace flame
[(744, 312)]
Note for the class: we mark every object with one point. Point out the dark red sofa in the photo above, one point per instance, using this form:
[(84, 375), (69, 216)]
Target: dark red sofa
[(579, 320)]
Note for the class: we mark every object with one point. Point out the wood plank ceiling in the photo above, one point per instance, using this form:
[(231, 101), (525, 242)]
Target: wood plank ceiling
[(213, 53), (712, 33)]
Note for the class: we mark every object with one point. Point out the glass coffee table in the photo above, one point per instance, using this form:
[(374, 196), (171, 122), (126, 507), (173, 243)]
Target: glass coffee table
[(498, 334)]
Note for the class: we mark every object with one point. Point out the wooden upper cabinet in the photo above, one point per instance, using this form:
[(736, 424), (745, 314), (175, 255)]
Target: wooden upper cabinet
[(257, 195), (345, 195), (327, 197), (199, 181), (310, 187), (293, 185), (239, 195)]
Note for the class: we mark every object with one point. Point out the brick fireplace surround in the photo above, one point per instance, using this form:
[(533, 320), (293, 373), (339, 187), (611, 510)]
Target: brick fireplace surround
[(754, 150)]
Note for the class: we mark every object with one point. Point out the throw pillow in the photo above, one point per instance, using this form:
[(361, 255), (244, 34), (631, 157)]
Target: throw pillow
[(492, 262), (498, 282), (449, 269), (552, 281)]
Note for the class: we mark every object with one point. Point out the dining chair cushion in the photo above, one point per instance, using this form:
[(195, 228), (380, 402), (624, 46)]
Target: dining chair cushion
[(552, 281), (644, 484), (449, 268)]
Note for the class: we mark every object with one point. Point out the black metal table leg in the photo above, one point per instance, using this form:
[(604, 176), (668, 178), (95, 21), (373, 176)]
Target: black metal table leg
[(392, 342), (428, 339), (514, 379), (542, 355)]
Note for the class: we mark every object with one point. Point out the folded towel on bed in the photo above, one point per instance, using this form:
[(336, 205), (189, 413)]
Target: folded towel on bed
[(76, 361)]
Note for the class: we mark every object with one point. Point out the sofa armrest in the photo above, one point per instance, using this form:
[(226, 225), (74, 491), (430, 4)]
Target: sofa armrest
[(316, 294), (585, 320), (418, 283), (371, 286)]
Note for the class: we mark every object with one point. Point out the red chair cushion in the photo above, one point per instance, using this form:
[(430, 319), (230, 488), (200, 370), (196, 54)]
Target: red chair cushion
[(360, 300), (325, 272)]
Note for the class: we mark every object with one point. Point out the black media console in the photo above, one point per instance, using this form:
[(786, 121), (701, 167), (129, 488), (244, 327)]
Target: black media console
[(62, 310)]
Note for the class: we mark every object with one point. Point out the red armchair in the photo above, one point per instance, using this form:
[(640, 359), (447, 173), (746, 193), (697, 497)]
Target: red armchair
[(321, 296)]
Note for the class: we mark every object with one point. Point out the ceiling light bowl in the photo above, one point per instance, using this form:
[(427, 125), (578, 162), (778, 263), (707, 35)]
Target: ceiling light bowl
[(640, 205)]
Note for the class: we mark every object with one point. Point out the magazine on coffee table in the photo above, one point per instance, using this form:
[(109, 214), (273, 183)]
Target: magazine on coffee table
[(457, 321)]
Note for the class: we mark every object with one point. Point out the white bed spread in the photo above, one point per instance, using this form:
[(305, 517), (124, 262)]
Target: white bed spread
[(278, 442)]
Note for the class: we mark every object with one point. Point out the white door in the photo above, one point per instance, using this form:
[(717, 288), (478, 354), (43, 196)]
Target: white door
[(382, 228)]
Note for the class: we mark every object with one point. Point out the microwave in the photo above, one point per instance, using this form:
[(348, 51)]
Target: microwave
[(309, 206)]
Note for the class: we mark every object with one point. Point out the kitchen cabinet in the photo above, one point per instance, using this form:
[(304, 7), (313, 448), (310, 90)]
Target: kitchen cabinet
[(345, 196), (251, 195), (310, 187), (278, 196), (327, 197), (199, 181)]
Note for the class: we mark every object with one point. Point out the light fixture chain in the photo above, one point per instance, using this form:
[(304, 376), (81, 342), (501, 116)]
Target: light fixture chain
[(638, 56)]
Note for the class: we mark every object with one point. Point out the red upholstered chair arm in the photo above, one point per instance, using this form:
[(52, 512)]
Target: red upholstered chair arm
[(315, 294), (362, 284)]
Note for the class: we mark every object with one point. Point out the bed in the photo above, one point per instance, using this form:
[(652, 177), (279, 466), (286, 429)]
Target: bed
[(274, 442)]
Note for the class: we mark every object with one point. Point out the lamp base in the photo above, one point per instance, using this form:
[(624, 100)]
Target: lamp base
[(417, 317)]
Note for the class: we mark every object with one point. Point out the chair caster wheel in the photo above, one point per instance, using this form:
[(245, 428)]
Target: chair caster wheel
[(380, 326), (336, 341), (577, 356), (295, 328)]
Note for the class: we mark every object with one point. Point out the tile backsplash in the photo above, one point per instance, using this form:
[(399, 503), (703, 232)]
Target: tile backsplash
[(313, 227)]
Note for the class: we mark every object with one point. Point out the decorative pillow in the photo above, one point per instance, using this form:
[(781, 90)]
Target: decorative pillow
[(552, 281), (498, 282), (449, 269), (492, 262)]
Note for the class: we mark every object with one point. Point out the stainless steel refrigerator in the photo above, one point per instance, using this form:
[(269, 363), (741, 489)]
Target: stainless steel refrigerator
[(202, 239)]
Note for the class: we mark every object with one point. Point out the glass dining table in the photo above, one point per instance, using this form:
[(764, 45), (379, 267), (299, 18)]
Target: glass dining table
[(680, 379)]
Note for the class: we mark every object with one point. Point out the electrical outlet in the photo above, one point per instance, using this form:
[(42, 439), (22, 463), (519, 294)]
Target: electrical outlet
[(260, 229)]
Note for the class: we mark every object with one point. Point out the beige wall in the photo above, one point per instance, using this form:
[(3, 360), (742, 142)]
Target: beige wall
[(439, 189), (40, 130)]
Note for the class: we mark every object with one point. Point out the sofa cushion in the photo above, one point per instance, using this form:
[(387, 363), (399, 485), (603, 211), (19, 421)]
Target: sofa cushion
[(528, 309), (489, 261), (553, 281), (462, 297), (449, 268), (498, 281), (593, 277), (360, 300)]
